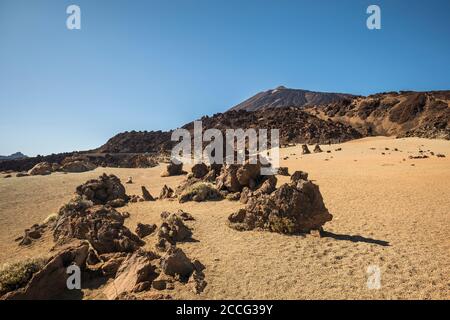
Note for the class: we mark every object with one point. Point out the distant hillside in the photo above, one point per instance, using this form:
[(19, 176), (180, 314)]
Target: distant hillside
[(136, 142), (302, 117), (14, 156), (401, 114), (295, 125), (282, 97)]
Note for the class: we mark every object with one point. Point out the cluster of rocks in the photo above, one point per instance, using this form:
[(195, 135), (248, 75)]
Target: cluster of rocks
[(217, 182), (69, 164), (305, 149), (90, 233), (106, 190), (295, 207)]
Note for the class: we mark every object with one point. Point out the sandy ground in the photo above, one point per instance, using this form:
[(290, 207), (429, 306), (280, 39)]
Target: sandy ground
[(388, 212)]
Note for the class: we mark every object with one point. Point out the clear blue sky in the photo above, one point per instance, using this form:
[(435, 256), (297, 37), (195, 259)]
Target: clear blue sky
[(148, 65)]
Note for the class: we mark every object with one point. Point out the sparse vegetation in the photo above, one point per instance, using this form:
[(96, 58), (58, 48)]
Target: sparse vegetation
[(16, 275), (200, 191), (281, 224), (51, 218)]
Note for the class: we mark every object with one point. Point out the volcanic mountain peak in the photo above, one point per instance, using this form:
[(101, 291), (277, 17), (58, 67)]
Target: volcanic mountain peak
[(282, 97)]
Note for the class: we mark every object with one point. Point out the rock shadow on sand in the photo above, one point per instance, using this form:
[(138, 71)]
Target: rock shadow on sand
[(351, 238)]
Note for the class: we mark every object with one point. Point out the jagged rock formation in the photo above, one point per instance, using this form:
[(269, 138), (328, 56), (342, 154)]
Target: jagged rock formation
[(295, 207), (102, 190), (93, 237), (401, 114)]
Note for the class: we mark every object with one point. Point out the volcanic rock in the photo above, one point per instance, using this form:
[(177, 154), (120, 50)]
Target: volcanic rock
[(166, 192), (283, 171), (176, 263), (77, 166), (143, 230), (22, 174), (305, 149), (173, 169), (317, 149), (102, 190), (135, 274), (199, 170), (146, 195), (102, 226), (296, 207), (50, 281), (299, 175), (42, 168), (173, 229)]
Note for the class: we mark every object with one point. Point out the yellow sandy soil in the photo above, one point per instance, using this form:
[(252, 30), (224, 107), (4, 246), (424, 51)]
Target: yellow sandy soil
[(386, 212)]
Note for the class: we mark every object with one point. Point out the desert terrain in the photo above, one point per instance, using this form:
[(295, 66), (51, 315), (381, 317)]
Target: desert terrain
[(388, 210)]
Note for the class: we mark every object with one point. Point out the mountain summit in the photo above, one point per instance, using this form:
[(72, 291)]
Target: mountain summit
[(14, 156), (282, 97)]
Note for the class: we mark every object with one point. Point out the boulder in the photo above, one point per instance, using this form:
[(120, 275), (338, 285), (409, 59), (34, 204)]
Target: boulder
[(305, 149), (51, 281), (317, 149), (112, 262), (101, 225), (116, 203), (143, 230), (185, 216), (22, 174), (268, 186), (166, 192), (176, 263), (235, 177), (34, 233), (173, 228), (42, 168), (299, 175), (146, 195), (102, 190), (173, 169), (199, 170), (135, 274), (296, 207), (77, 166), (283, 171)]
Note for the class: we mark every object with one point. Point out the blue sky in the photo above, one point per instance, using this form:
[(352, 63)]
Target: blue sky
[(149, 65)]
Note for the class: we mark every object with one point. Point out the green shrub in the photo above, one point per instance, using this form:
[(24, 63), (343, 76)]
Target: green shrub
[(16, 275)]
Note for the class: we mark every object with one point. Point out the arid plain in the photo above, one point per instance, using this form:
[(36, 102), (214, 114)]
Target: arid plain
[(388, 210)]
